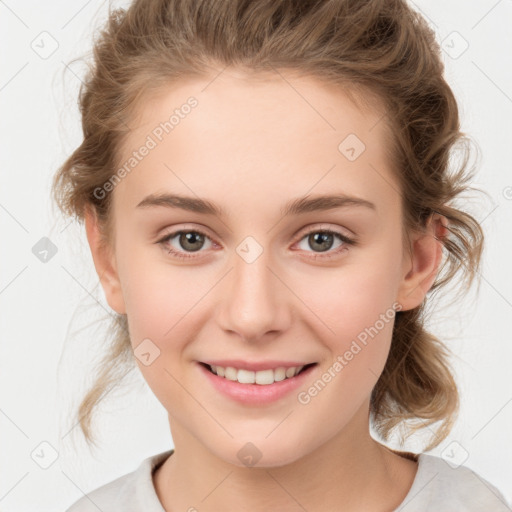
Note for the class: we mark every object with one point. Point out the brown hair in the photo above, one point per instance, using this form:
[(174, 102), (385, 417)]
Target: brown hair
[(380, 48)]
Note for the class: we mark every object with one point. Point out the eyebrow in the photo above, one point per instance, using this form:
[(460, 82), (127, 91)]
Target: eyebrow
[(296, 206)]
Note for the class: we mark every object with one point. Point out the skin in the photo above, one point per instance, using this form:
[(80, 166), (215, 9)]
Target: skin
[(251, 146)]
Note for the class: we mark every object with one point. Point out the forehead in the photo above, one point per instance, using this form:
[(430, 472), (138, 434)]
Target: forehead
[(278, 133), (269, 97)]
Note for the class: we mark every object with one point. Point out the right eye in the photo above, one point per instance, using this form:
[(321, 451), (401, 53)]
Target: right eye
[(190, 240)]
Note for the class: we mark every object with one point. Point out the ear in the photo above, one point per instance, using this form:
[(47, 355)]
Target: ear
[(421, 267), (104, 262)]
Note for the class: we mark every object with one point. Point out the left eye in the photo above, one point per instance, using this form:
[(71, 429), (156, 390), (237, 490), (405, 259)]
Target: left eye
[(192, 241), (323, 241)]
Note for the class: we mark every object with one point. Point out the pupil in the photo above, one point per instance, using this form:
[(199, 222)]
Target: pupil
[(319, 239), (190, 238)]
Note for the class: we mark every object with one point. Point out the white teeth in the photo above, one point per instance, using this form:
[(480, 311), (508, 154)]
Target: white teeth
[(230, 373), (279, 374), (263, 377), (246, 377)]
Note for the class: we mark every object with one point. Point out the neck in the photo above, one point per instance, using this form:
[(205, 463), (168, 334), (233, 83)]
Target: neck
[(340, 471)]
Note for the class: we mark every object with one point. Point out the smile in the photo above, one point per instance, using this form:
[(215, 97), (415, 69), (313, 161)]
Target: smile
[(265, 383), (261, 377)]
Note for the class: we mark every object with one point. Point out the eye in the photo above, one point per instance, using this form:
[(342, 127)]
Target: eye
[(190, 241), (322, 240)]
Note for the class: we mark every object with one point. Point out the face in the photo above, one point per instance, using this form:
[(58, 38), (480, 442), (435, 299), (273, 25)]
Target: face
[(269, 279)]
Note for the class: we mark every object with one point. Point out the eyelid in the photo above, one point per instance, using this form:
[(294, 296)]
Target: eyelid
[(313, 228), (347, 240), (302, 232), (198, 228)]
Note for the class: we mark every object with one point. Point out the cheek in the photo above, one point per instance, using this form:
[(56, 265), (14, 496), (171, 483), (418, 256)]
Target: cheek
[(158, 297), (359, 316), (160, 304), (356, 306), (353, 297)]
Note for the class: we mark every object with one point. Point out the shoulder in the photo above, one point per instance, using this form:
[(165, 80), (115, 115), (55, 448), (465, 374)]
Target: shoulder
[(129, 493), (439, 486)]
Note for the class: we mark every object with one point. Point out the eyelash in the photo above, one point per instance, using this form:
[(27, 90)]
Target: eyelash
[(183, 255)]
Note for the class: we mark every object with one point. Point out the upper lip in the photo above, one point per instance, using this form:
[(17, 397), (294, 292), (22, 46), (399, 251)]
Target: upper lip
[(255, 365)]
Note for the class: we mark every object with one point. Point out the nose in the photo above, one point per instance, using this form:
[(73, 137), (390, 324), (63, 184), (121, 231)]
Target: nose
[(254, 303)]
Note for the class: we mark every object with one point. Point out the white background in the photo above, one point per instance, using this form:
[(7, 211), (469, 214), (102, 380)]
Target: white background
[(48, 310)]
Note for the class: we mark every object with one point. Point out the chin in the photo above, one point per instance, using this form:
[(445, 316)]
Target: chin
[(261, 453)]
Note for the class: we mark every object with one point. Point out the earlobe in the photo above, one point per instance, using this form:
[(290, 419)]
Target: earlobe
[(423, 265), (104, 262)]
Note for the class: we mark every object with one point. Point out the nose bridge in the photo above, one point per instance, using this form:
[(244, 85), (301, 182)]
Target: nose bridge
[(253, 303)]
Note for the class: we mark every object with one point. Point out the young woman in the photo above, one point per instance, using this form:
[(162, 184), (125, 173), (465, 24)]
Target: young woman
[(268, 200)]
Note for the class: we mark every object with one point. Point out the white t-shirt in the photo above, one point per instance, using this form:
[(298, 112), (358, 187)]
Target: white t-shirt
[(437, 487)]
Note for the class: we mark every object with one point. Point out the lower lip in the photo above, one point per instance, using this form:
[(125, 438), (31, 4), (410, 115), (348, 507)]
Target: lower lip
[(256, 393)]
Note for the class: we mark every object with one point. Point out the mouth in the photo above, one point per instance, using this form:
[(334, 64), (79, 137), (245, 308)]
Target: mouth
[(257, 383), (264, 377)]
